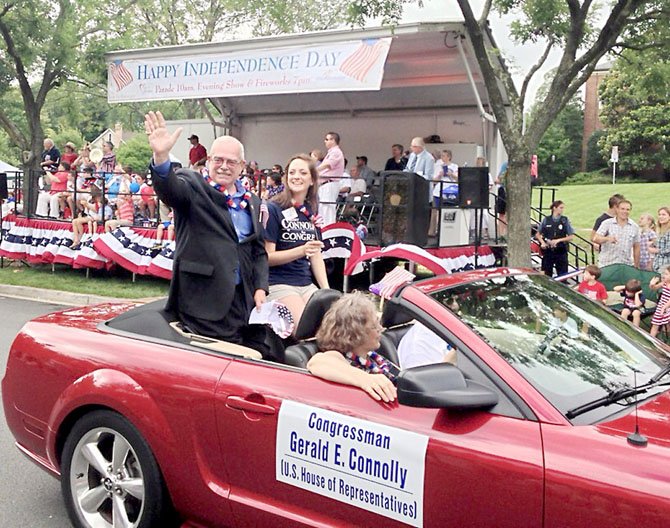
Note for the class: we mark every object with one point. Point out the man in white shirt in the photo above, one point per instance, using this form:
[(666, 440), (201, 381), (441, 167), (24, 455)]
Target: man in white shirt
[(421, 346)]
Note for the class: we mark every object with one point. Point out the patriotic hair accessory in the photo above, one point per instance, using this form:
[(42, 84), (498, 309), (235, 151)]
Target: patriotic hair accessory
[(374, 363), (230, 201), (275, 314), (316, 219), (391, 282)]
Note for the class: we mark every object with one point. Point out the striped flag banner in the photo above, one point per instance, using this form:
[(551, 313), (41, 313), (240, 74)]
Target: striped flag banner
[(406, 252), (360, 62), (120, 74), (391, 282), (341, 241)]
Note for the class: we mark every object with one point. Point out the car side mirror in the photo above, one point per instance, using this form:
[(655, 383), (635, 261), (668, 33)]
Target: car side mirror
[(442, 385)]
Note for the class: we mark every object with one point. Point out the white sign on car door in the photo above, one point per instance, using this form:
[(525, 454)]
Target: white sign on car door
[(366, 464)]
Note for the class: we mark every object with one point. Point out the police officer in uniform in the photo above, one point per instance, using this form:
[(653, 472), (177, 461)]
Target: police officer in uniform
[(554, 234)]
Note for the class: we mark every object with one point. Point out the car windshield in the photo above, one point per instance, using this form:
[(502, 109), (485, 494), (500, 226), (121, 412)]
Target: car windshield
[(571, 349)]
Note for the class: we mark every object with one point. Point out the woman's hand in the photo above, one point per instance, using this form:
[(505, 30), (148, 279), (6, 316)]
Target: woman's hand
[(313, 247), (160, 139), (378, 386)]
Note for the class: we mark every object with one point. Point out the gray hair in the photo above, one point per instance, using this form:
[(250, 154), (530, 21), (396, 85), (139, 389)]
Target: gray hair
[(229, 139), (418, 142)]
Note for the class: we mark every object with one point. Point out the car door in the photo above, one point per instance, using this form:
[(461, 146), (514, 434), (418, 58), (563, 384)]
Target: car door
[(473, 468)]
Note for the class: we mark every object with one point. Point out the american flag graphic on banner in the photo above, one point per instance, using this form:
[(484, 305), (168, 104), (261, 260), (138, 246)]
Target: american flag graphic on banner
[(391, 282), (121, 75), (360, 62)]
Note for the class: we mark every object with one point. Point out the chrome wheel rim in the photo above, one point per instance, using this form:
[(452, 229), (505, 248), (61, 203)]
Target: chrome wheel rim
[(106, 480)]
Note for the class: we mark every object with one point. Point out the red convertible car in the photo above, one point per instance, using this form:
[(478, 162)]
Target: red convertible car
[(556, 415)]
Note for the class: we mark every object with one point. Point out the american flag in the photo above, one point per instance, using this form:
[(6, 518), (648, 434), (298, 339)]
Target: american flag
[(121, 75), (360, 62), (264, 215), (275, 314), (391, 282), (283, 324)]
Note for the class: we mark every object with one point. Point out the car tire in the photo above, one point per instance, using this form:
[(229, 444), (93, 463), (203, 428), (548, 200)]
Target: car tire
[(109, 473)]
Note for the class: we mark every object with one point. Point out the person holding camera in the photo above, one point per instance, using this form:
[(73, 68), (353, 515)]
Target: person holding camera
[(553, 235)]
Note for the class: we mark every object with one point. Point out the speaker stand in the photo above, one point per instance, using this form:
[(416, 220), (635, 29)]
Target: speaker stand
[(2, 259), (479, 221)]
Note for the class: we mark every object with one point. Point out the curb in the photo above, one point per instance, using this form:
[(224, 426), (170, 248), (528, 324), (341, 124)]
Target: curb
[(59, 297)]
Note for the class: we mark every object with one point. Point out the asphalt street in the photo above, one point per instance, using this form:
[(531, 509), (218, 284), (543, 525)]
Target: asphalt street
[(29, 497)]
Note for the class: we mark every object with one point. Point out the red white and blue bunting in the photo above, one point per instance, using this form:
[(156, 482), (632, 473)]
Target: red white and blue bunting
[(48, 241)]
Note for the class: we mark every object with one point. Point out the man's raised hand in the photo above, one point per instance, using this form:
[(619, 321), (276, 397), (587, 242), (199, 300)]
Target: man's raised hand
[(160, 139)]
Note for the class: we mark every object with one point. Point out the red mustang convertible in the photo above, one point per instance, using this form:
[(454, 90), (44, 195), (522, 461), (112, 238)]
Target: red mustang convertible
[(556, 414)]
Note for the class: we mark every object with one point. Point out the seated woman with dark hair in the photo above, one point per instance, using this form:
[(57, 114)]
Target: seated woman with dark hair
[(348, 335)]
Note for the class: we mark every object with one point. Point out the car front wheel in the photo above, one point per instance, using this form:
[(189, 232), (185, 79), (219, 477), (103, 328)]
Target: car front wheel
[(109, 476)]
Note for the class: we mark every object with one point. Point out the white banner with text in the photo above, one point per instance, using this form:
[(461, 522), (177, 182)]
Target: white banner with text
[(344, 66), (364, 464)]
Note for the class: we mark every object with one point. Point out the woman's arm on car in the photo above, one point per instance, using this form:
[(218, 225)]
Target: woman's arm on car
[(332, 366)]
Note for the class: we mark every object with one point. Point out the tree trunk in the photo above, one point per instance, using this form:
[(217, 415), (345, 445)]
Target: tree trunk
[(31, 166), (518, 209)]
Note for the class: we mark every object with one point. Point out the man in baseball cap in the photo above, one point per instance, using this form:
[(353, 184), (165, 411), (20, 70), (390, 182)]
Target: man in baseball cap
[(197, 153)]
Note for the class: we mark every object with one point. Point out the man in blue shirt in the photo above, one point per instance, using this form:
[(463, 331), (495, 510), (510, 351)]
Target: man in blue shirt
[(220, 266)]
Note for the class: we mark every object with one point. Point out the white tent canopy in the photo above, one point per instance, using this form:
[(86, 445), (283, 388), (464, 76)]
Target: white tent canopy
[(431, 85), (6, 167)]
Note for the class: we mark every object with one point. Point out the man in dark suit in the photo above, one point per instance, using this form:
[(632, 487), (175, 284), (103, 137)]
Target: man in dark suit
[(220, 265)]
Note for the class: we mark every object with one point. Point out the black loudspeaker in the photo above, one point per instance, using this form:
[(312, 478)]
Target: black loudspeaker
[(405, 208), (473, 187), (4, 193)]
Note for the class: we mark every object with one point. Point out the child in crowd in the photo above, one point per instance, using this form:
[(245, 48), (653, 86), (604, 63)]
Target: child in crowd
[(147, 204), (647, 239), (95, 210), (166, 227), (125, 210), (662, 314), (633, 300), (590, 286)]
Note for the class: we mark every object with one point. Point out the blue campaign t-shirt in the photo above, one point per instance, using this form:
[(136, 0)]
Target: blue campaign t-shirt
[(288, 232)]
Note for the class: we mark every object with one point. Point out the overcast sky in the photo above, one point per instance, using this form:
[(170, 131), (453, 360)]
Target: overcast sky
[(523, 57)]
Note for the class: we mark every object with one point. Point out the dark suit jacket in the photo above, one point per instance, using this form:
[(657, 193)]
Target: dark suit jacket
[(207, 249)]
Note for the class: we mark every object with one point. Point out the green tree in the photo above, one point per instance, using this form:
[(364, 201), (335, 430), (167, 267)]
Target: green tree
[(594, 156), (558, 154), (636, 110), (135, 153), (39, 41), (570, 26)]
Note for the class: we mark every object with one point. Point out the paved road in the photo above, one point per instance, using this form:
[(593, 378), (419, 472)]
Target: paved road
[(29, 498)]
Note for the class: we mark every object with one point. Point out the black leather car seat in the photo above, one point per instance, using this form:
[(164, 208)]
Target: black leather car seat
[(298, 355)]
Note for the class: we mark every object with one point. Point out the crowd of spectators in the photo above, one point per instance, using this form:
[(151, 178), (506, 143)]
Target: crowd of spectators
[(71, 182)]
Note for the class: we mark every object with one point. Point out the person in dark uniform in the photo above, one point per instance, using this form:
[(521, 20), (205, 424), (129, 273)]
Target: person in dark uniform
[(554, 234), (220, 265)]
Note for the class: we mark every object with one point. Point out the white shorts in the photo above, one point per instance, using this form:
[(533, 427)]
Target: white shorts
[(279, 291)]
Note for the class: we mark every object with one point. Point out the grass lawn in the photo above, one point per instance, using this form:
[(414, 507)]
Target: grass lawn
[(116, 283), (584, 203)]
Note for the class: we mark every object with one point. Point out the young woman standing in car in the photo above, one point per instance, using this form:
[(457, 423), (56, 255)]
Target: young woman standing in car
[(293, 238)]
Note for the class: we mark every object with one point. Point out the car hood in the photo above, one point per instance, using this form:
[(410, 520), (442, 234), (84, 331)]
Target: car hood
[(653, 420)]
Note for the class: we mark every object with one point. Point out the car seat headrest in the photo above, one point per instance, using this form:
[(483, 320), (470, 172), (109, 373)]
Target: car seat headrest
[(316, 308)]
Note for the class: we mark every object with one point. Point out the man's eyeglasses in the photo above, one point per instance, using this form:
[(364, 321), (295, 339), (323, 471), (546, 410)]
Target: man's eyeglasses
[(230, 163)]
